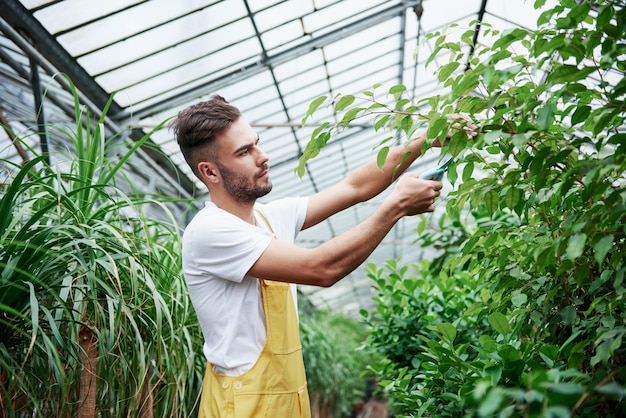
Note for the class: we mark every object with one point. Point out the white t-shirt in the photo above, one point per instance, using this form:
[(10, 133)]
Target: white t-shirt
[(218, 250)]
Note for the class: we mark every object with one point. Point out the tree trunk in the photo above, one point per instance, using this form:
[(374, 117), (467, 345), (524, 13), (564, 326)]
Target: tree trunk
[(146, 400), (4, 403), (87, 392)]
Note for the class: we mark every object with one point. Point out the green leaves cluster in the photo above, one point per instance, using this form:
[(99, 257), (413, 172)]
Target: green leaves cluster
[(523, 312), (401, 116), (335, 362)]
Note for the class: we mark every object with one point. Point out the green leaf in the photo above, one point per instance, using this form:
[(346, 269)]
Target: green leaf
[(549, 354), (492, 136), (602, 247), (313, 107), (458, 142), (445, 71), (381, 121), (495, 373), (492, 201), (451, 173), (575, 246), (520, 140), (499, 323), (319, 129), (465, 84), (508, 37), (510, 355), (344, 102), (488, 344), (469, 244), (568, 73), (401, 103), (448, 331), (421, 225), (545, 116), (512, 197), (468, 37), (519, 299), (350, 115), (491, 403), (618, 139), (568, 313), (581, 114), (612, 389), (397, 90), (468, 171), (565, 388), (580, 12), (382, 157), (436, 126)]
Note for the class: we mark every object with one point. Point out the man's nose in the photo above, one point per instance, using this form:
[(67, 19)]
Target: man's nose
[(262, 157)]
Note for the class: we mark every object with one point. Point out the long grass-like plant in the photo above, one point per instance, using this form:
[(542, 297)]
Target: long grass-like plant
[(95, 318)]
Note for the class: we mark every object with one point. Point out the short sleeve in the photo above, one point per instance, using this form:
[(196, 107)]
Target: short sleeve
[(218, 244), (286, 216)]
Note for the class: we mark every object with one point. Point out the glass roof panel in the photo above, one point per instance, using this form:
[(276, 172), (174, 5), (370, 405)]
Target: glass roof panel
[(282, 12), (256, 5), (338, 14), (204, 68), (174, 39), (364, 39), (307, 67), (175, 59), (57, 17), (134, 20), (275, 38)]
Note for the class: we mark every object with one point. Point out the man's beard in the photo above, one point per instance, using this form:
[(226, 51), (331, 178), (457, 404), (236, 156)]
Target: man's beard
[(241, 188)]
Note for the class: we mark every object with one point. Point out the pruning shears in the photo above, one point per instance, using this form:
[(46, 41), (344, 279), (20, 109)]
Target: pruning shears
[(436, 173)]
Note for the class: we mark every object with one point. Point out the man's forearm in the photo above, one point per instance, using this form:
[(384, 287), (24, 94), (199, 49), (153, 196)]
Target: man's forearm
[(343, 254), (338, 257)]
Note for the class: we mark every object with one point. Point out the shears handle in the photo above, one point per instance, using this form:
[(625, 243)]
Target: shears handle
[(434, 174)]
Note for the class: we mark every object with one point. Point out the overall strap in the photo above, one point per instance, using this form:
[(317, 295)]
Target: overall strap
[(265, 221)]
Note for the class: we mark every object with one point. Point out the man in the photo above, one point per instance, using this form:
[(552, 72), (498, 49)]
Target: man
[(241, 264)]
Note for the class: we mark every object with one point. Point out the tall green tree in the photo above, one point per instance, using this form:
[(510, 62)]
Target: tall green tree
[(523, 311)]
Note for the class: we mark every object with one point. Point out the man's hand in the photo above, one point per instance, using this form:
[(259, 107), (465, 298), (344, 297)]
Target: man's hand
[(460, 121), (413, 195)]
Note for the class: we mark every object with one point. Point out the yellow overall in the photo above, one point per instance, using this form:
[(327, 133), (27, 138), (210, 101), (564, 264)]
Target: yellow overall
[(275, 387)]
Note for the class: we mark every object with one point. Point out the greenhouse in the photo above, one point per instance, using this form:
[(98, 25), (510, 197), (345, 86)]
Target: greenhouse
[(147, 270)]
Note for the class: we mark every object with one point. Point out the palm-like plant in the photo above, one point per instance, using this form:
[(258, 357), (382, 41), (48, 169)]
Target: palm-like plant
[(94, 314)]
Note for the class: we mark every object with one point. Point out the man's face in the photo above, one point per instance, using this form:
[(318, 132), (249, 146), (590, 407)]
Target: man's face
[(242, 164), (243, 188)]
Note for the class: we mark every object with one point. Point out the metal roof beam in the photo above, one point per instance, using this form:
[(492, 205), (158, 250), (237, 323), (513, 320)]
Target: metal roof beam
[(22, 20), (479, 21)]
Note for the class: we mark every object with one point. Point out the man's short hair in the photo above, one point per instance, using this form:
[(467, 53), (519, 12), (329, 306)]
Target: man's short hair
[(196, 127)]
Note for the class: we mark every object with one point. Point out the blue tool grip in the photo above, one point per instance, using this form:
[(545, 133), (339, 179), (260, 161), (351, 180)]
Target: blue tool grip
[(434, 174)]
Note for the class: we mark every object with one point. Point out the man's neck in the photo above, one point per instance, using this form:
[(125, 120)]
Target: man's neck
[(244, 211)]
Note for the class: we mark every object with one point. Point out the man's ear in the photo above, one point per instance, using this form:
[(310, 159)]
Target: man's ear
[(209, 172)]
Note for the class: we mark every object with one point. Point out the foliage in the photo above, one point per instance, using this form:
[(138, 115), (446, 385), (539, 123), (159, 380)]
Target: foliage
[(335, 362), (522, 313), (85, 271)]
